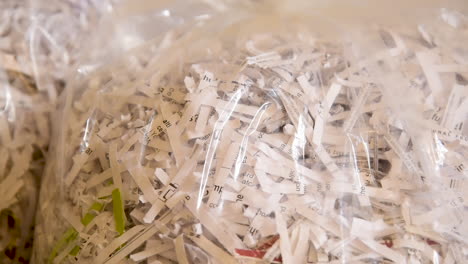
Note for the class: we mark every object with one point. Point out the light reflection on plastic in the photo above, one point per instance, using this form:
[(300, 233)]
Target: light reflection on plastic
[(166, 13), (441, 150)]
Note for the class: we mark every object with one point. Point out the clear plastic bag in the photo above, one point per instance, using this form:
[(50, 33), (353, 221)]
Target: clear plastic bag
[(24, 127), (119, 26), (30, 85), (261, 135), (24, 134), (57, 35), (423, 74)]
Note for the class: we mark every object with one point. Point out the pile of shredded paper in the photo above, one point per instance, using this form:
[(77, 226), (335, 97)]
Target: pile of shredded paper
[(266, 148), (34, 59), (24, 135), (230, 133)]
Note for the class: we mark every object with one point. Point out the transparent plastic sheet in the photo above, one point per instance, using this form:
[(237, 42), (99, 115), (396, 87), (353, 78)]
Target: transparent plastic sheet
[(423, 72), (30, 86), (57, 35), (26, 106), (13, 26), (61, 31), (23, 146), (133, 23), (24, 136), (120, 32), (259, 136)]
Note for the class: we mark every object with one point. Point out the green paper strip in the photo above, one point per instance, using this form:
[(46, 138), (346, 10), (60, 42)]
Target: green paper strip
[(119, 214), (93, 211), (87, 219), (70, 235), (97, 207), (74, 252)]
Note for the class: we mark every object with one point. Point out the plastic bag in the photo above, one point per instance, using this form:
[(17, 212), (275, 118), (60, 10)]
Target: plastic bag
[(120, 27), (56, 37), (29, 88), (24, 134), (255, 137), (23, 147), (423, 73)]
